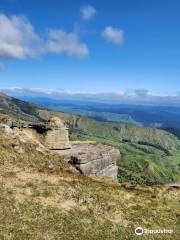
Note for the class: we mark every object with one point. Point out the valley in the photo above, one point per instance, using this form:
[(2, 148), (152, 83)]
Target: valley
[(147, 115), (148, 156), (38, 187)]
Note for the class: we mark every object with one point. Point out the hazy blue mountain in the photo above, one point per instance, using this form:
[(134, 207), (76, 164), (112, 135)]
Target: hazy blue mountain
[(145, 115)]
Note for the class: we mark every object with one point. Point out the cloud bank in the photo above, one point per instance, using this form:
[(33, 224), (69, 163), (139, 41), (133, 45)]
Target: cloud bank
[(113, 35), (137, 96), (19, 40)]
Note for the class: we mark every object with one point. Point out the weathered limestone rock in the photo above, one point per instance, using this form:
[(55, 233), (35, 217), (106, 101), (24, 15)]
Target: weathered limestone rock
[(93, 160), (53, 135), (20, 137), (56, 136), (90, 159)]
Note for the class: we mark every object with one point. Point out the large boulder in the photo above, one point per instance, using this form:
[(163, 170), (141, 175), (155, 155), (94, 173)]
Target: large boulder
[(93, 159)]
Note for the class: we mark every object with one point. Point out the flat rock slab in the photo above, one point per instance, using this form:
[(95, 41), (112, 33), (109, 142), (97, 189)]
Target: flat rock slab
[(93, 159)]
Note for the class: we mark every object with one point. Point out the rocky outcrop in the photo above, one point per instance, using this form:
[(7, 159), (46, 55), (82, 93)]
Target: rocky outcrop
[(57, 136), (19, 138), (90, 159), (93, 159), (53, 134)]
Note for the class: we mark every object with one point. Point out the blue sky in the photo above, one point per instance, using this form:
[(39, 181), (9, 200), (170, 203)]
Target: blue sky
[(91, 46)]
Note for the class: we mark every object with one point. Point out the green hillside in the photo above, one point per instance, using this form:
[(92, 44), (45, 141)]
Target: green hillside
[(148, 155), (99, 116), (38, 202), (19, 109)]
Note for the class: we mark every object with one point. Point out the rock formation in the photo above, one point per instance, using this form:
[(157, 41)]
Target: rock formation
[(53, 135), (88, 158), (93, 159), (56, 137)]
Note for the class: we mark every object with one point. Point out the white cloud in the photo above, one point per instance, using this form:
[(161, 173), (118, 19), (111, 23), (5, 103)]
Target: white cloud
[(87, 12), (2, 67), (18, 38), (69, 43), (113, 35)]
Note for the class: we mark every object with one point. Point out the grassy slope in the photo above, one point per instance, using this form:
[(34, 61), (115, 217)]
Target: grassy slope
[(149, 156), (116, 132), (18, 108), (38, 202)]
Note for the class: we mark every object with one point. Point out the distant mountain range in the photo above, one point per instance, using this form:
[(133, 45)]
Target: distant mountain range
[(164, 117), (131, 97)]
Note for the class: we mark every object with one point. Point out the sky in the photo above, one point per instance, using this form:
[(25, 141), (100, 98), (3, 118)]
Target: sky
[(91, 46)]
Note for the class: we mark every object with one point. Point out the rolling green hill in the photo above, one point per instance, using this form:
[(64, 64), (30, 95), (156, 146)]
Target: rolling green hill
[(19, 109), (39, 202), (149, 156)]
